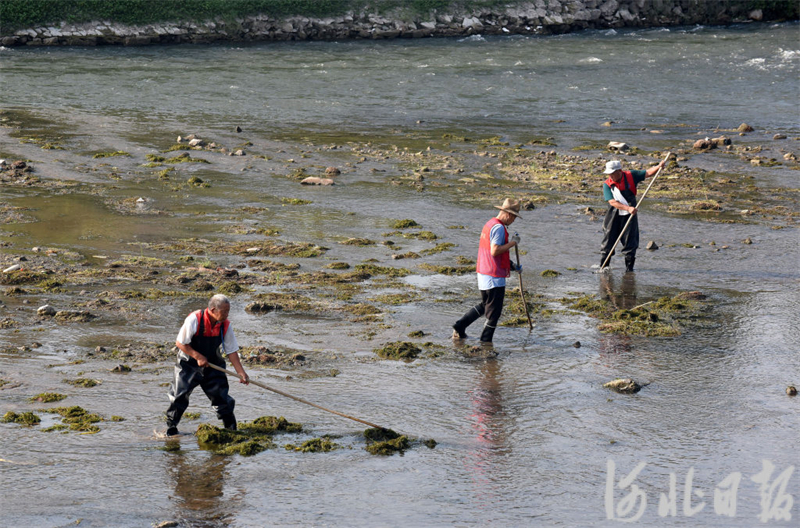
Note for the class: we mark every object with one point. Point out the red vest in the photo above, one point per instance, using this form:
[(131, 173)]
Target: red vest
[(499, 266), (626, 181), (207, 326)]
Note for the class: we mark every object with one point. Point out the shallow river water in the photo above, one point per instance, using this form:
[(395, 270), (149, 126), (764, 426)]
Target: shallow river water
[(527, 438)]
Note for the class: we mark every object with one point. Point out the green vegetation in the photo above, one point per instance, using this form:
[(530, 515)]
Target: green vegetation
[(662, 317), (26, 418), (29, 13), (48, 397), (404, 224), (315, 445), (385, 441), (251, 438), (110, 154), (76, 418), (399, 350), (83, 382)]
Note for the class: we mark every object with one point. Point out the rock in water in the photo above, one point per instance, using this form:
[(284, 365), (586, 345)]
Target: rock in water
[(791, 390), (624, 386)]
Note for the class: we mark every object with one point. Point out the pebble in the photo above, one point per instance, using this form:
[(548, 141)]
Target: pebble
[(791, 390)]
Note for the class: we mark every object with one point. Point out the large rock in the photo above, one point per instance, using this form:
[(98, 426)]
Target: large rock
[(703, 144), (46, 311), (618, 146), (624, 386), (313, 180)]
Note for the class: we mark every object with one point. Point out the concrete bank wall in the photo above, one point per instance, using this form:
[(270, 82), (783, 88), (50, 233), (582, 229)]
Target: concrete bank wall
[(540, 17)]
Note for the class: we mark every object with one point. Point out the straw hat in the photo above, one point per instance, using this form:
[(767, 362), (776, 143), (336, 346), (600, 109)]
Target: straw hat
[(510, 206)]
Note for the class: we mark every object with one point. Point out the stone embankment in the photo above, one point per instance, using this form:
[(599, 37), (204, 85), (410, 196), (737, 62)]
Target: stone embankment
[(539, 17)]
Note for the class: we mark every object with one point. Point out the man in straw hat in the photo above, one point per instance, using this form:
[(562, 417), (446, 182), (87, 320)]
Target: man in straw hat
[(494, 266), (619, 190)]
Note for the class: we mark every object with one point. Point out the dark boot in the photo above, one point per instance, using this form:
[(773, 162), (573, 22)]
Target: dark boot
[(629, 262), (460, 327), (229, 422), (172, 431), (487, 335)]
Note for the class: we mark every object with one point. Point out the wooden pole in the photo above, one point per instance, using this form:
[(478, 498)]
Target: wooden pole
[(522, 292), (638, 204), (301, 400)]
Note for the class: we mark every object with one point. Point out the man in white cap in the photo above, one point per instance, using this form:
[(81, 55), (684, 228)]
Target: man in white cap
[(493, 267), (619, 190)]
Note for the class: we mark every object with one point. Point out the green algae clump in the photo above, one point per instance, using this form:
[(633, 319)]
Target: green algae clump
[(404, 224), (250, 439), (227, 442), (271, 425), (385, 442), (48, 397), (83, 382), (110, 154), (315, 445), (25, 418), (358, 242), (77, 419), (550, 273), (399, 350)]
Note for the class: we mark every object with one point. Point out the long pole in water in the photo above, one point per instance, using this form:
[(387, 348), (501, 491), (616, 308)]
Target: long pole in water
[(638, 204), (301, 400), (522, 292)]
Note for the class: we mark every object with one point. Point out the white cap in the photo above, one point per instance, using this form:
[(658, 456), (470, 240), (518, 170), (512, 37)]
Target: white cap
[(612, 166)]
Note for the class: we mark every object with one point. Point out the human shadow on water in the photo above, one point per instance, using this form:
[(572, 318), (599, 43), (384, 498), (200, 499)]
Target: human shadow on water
[(487, 424), (199, 479)]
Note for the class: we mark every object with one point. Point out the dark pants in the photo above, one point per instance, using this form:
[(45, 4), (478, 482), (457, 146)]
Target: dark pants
[(612, 227), (213, 383), (491, 306)]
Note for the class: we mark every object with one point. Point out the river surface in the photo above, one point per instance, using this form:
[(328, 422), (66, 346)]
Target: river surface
[(527, 438)]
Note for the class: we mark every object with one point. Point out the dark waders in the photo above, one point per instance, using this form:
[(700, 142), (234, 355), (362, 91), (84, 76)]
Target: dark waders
[(188, 375), (612, 227)]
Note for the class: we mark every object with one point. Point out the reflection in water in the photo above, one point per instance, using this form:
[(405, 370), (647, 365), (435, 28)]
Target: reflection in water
[(199, 489), (624, 299), (487, 426)]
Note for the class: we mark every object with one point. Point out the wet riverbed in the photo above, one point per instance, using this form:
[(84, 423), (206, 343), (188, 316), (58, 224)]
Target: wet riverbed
[(527, 435)]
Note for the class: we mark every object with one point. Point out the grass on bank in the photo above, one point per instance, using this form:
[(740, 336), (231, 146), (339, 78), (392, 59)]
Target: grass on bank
[(15, 14)]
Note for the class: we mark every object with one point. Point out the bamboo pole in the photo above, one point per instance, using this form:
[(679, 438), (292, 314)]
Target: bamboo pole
[(301, 400), (522, 292)]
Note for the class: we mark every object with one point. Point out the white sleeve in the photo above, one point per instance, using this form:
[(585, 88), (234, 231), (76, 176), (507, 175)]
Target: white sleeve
[(188, 330), (229, 344)]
